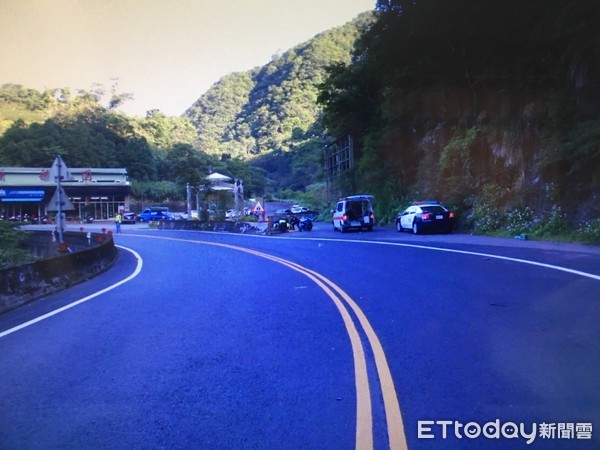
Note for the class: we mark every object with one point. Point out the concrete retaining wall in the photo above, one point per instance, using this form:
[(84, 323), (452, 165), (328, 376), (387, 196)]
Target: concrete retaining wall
[(92, 253), (229, 227)]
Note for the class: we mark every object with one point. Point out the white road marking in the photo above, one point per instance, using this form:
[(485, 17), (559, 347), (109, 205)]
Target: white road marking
[(448, 250), (394, 419), (135, 273), (486, 255)]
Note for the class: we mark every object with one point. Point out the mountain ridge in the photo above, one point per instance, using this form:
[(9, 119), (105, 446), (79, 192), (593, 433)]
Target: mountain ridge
[(269, 107)]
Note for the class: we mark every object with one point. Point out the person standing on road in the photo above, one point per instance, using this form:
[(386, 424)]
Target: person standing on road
[(118, 220)]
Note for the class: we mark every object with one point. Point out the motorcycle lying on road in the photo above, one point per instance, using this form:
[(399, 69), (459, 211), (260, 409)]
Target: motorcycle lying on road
[(305, 223)]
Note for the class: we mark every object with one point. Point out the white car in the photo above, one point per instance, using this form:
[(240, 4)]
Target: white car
[(195, 215), (231, 214), (425, 216), (355, 211), (128, 217)]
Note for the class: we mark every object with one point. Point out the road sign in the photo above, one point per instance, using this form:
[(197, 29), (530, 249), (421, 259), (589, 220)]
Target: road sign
[(59, 169), (258, 208), (60, 198)]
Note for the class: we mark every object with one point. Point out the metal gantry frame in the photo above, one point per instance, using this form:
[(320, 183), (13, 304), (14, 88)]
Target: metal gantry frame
[(221, 183), (338, 159)]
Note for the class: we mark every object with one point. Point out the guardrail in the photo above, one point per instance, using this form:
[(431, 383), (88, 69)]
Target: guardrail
[(86, 255)]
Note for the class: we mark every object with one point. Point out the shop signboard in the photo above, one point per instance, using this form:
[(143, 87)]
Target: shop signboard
[(21, 195)]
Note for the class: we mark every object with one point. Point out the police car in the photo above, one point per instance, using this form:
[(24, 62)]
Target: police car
[(425, 216), (354, 212)]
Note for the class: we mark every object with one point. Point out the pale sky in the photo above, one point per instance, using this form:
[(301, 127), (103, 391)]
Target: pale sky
[(167, 53)]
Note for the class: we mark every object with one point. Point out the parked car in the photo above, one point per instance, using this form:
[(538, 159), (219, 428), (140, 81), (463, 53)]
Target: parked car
[(153, 214), (195, 215), (232, 214), (421, 217), (355, 212), (129, 217), (297, 209)]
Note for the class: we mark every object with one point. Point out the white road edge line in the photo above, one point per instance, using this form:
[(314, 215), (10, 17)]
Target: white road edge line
[(487, 255), (449, 250), (135, 273)]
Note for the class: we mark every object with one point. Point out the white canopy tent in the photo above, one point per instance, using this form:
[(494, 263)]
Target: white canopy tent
[(215, 176), (219, 182)]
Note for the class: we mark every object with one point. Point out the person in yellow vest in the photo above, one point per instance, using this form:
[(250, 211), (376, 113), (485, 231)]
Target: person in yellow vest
[(118, 220)]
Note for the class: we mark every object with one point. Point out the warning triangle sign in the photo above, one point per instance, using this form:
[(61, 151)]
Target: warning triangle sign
[(59, 170), (258, 207), (66, 204)]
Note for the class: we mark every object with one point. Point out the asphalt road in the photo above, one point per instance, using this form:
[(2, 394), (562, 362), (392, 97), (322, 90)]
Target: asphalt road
[(311, 340)]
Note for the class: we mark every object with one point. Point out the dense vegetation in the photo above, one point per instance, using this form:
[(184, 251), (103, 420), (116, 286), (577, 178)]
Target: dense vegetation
[(490, 105), (261, 126), (12, 243), (270, 115), (159, 152)]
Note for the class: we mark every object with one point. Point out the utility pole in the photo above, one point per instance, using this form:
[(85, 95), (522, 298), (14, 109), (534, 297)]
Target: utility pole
[(238, 195), (57, 172), (189, 201), (59, 219)]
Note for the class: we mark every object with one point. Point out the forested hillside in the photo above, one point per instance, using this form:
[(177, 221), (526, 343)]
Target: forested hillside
[(261, 125), (490, 105), (159, 152), (270, 114)]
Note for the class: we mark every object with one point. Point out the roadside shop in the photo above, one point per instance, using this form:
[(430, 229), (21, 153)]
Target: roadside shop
[(95, 193)]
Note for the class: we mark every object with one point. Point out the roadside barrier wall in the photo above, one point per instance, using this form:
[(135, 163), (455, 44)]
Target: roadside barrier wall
[(224, 226), (265, 228), (88, 254)]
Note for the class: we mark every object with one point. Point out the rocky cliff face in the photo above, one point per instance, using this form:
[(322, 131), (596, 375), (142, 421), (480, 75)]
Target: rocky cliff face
[(505, 148)]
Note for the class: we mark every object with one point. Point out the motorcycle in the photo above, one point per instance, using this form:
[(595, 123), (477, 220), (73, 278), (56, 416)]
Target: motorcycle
[(305, 223)]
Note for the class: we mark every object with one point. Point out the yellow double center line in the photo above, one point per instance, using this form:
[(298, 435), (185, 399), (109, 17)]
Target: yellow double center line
[(364, 419)]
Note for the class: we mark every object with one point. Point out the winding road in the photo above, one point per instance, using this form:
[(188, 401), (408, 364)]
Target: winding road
[(311, 341)]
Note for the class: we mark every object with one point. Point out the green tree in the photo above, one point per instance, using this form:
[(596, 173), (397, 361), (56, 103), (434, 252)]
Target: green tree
[(163, 132), (187, 165), (257, 112), (449, 97)]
